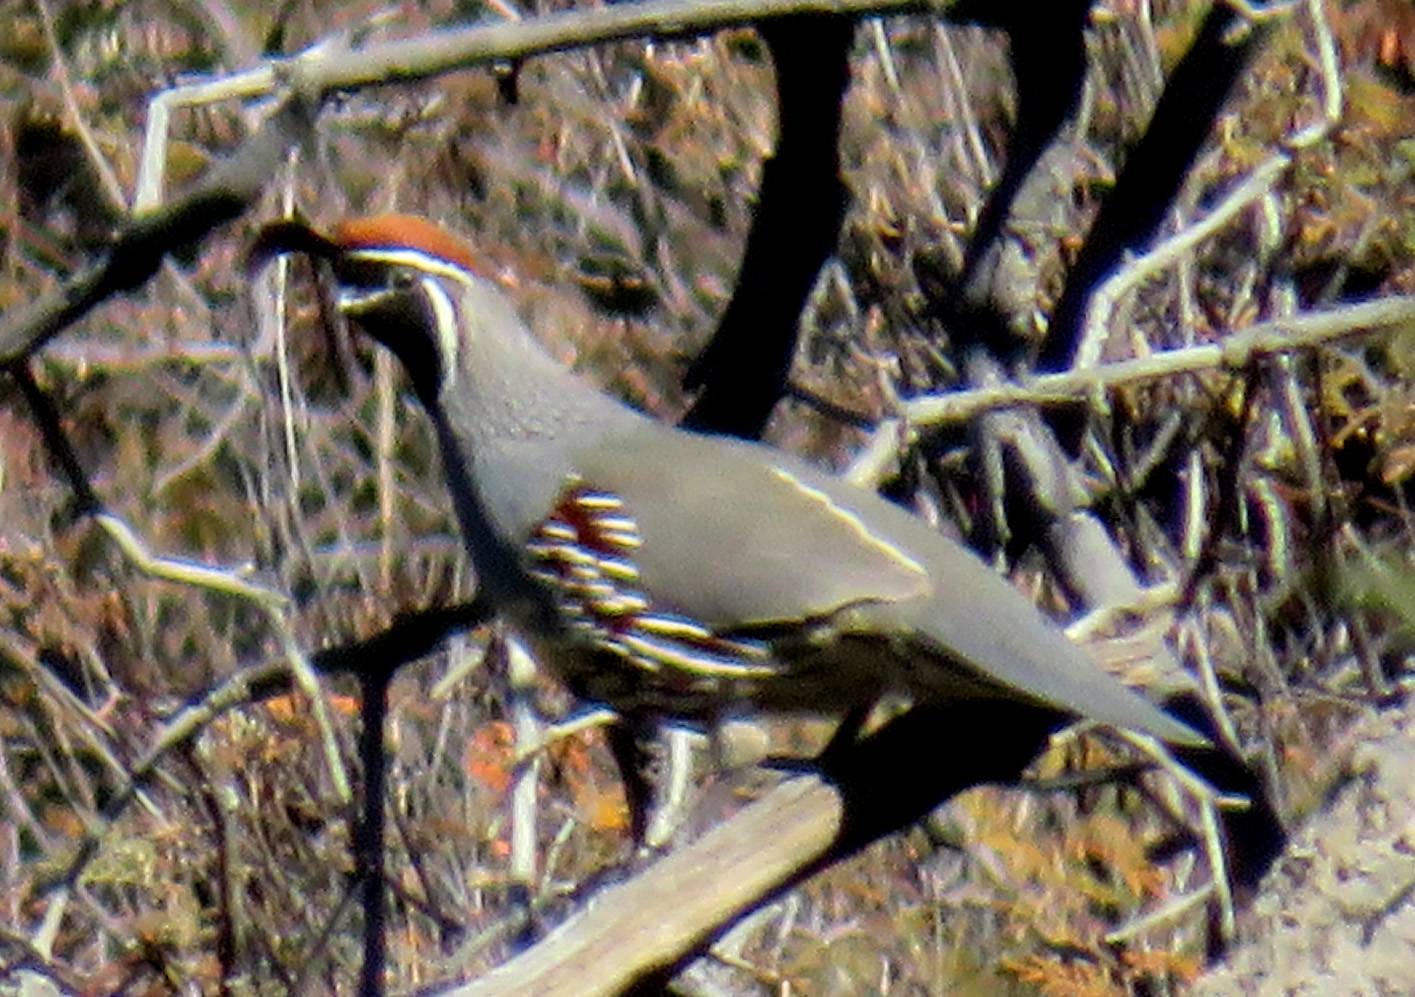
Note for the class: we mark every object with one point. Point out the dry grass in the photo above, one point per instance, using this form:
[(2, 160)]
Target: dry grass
[(222, 439)]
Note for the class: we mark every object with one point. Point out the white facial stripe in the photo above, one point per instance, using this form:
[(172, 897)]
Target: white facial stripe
[(414, 259), (352, 302), (445, 314)]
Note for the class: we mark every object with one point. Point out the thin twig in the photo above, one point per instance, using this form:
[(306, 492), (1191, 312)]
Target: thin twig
[(183, 571), (1167, 254), (1232, 353)]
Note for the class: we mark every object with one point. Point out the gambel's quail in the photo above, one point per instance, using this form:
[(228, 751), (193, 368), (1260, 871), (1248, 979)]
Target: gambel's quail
[(681, 575)]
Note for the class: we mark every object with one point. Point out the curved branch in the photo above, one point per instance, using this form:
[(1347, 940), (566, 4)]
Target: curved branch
[(800, 208)]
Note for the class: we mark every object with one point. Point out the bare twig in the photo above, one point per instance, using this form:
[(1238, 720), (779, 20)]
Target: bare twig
[(273, 603), (526, 726), (1232, 353), (1168, 254), (1258, 184)]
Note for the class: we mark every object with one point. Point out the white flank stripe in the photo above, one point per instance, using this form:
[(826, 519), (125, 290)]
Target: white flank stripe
[(599, 501), (616, 524), (554, 529), (629, 541), (674, 626), (619, 569), (687, 660)]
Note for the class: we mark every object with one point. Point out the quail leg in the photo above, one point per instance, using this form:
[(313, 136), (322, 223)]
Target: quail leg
[(630, 742)]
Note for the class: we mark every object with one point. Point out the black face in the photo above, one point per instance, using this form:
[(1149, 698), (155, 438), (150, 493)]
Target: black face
[(392, 304), (389, 301)]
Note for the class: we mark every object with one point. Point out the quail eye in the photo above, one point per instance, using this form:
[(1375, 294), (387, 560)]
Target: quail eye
[(401, 280)]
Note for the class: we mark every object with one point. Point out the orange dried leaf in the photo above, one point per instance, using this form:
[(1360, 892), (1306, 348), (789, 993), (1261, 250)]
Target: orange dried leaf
[(285, 708), (1183, 967), (345, 705), (490, 756), (603, 811)]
